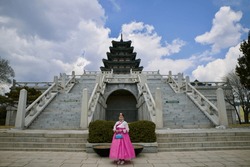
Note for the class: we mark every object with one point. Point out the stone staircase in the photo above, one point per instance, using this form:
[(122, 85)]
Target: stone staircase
[(178, 110), (210, 94), (64, 110), (39, 140), (167, 139), (210, 139)]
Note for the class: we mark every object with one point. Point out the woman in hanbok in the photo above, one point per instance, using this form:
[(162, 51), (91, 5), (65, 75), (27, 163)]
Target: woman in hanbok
[(121, 147)]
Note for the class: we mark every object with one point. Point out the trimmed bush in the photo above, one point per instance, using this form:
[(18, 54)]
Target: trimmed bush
[(101, 131), (142, 131)]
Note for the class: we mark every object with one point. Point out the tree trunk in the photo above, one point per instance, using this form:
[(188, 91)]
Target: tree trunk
[(238, 115), (246, 117)]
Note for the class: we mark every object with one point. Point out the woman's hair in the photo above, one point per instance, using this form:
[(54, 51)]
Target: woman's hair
[(121, 114)]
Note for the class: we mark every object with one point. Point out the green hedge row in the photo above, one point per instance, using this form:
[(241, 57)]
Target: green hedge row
[(101, 131)]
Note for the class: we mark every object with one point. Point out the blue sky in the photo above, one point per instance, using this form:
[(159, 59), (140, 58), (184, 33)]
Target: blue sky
[(199, 38)]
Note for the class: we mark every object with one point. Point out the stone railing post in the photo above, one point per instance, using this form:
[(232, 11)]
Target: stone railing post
[(99, 81), (20, 116), (221, 105), (179, 81), (63, 82), (73, 76), (143, 79), (84, 110), (98, 78), (159, 108), (187, 82), (56, 83), (169, 75)]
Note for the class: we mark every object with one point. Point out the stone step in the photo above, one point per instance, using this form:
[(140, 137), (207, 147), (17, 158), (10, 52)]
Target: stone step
[(41, 145), (64, 111), (207, 133), (214, 144), (204, 148), (184, 114), (200, 139), (37, 140), (45, 134), (44, 149), (187, 126)]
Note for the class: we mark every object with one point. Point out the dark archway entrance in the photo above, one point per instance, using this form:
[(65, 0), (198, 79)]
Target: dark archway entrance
[(121, 101)]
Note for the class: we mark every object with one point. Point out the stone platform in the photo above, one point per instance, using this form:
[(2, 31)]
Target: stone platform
[(167, 140), (228, 158)]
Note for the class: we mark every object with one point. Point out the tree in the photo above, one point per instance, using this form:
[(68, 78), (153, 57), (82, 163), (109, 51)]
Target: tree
[(243, 71), (237, 95), (11, 99), (13, 95), (6, 72)]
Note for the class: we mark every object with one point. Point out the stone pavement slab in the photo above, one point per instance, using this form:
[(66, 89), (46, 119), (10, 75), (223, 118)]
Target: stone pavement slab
[(224, 158)]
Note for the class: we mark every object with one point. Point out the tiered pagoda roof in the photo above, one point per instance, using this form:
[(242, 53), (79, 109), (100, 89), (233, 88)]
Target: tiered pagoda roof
[(121, 58)]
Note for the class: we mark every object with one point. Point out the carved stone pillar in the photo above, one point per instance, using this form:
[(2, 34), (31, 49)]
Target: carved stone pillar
[(84, 110), (20, 117), (159, 108), (223, 119)]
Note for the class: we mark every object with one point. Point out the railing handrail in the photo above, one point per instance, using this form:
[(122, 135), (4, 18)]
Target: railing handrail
[(150, 95), (210, 104), (40, 97), (73, 77), (151, 112), (210, 84), (93, 94), (203, 97)]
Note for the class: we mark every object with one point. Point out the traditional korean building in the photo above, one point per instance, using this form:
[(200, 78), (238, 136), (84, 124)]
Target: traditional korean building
[(121, 58), (171, 101), (71, 102)]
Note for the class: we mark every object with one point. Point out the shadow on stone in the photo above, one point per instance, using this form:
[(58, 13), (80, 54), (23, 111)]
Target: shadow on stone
[(103, 150)]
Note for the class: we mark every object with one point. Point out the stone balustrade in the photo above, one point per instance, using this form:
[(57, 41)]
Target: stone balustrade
[(147, 102), (64, 83), (121, 79), (91, 72), (177, 82), (209, 109), (37, 85), (209, 84), (93, 100), (148, 98), (34, 109)]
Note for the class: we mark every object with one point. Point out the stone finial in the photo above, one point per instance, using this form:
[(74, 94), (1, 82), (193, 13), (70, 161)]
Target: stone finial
[(121, 38)]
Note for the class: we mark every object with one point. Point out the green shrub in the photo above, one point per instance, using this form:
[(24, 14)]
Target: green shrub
[(142, 131), (101, 131)]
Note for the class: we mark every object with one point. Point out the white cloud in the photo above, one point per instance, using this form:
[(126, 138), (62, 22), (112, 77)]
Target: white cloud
[(225, 32), (166, 65), (36, 57), (148, 44), (203, 57), (217, 69)]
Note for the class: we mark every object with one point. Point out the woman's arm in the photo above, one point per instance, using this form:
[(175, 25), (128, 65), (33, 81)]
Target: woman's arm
[(126, 130), (114, 128)]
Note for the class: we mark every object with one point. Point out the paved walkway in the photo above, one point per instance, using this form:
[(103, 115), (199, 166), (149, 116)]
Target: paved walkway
[(228, 158)]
